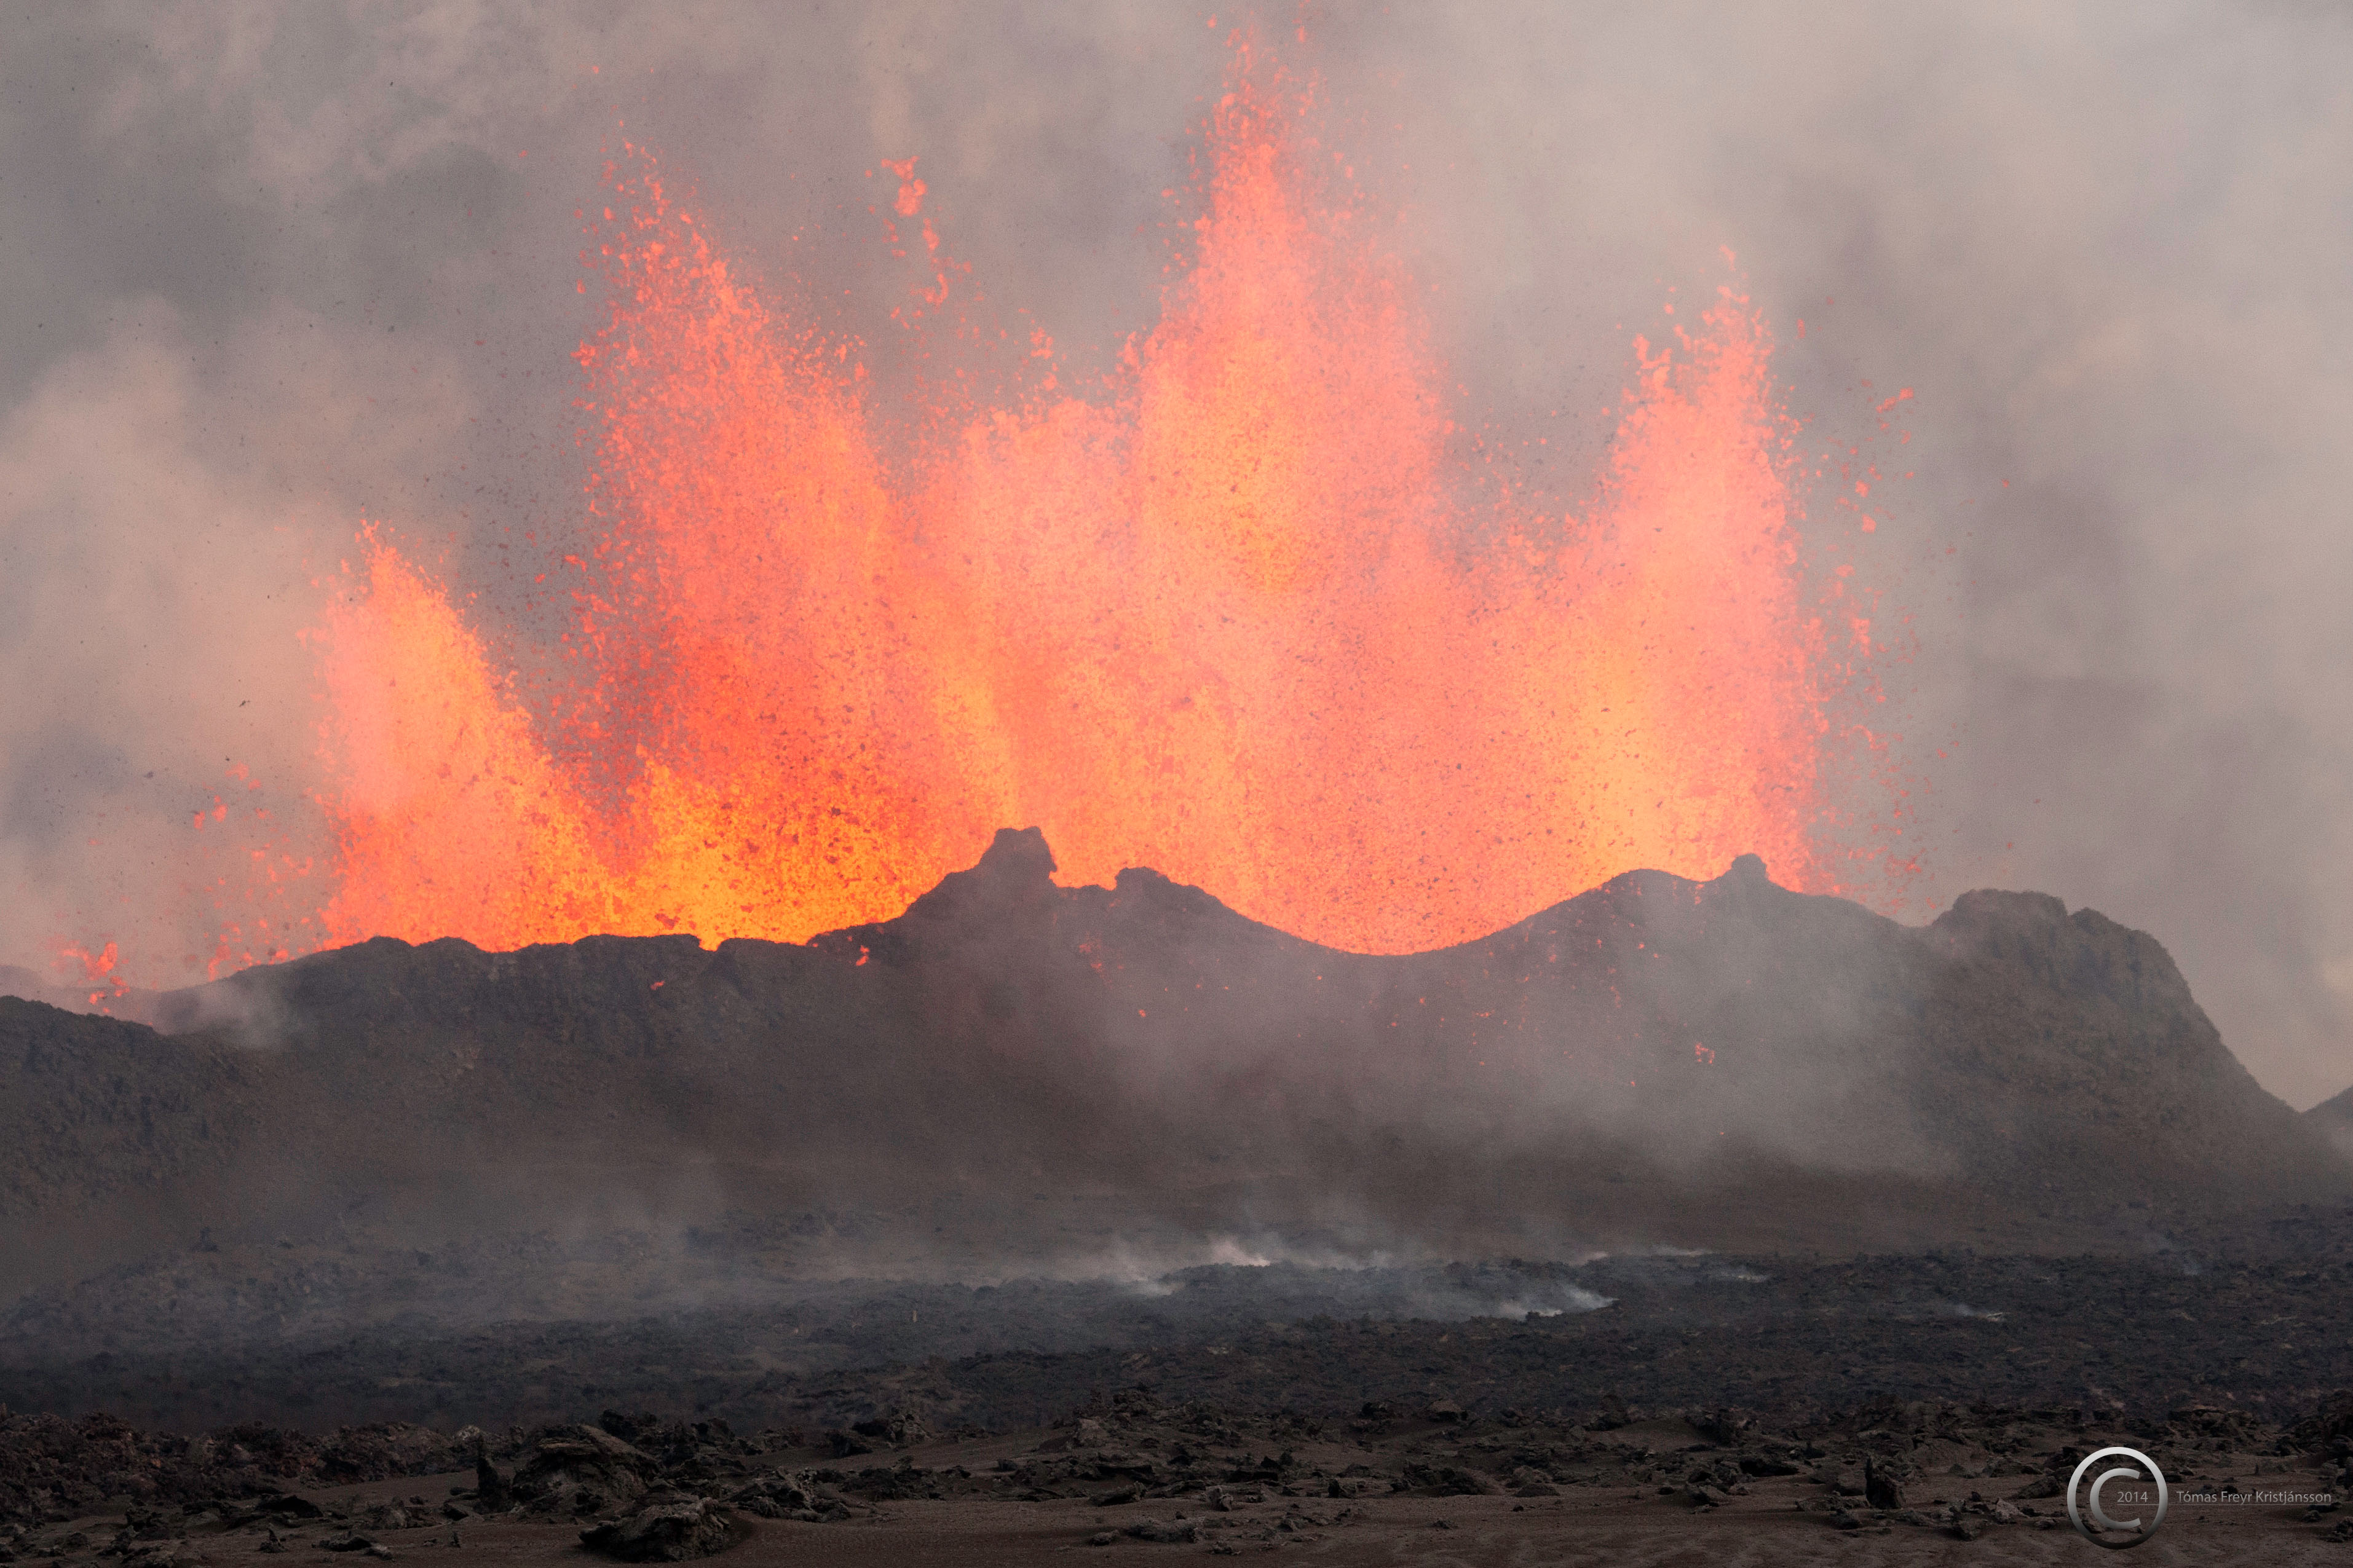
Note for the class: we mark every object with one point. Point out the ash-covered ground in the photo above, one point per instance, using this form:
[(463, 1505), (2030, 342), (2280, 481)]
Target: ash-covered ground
[(2252, 1316)]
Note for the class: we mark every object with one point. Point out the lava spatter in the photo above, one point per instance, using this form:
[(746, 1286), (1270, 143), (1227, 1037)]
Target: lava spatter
[(1209, 620)]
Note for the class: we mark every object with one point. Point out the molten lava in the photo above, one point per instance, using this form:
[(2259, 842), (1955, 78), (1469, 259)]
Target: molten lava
[(1217, 622)]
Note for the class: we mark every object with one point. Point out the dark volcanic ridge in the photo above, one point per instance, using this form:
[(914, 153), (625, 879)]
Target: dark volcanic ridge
[(1687, 1144), (1014, 1077)]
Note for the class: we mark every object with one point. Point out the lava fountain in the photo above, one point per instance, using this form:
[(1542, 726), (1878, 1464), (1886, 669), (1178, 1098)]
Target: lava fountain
[(1218, 619)]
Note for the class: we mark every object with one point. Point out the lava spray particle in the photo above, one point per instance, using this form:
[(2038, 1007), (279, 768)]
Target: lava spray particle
[(1215, 619)]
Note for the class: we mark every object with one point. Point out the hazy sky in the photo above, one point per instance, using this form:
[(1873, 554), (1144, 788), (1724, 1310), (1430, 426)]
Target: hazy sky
[(273, 268)]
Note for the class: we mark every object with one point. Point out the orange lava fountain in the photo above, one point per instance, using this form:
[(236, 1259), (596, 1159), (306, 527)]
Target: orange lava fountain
[(1216, 623)]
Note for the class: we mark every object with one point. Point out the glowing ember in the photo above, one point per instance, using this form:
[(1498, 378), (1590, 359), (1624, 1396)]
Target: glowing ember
[(1215, 622), (98, 969)]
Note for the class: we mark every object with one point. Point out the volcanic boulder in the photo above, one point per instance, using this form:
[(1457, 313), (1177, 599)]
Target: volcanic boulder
[(584, 1469), (671, 1530)]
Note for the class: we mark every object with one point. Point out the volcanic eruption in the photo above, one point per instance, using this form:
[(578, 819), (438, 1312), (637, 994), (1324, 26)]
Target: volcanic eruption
[(1255, 612), (1184, 931)]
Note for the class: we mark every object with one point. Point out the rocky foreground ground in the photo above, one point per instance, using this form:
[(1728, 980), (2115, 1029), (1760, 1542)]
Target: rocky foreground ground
[(1132, 1472), (1651, 1408)]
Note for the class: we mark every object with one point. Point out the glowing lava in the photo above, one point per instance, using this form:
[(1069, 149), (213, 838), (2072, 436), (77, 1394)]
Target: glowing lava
[(1215, 622)]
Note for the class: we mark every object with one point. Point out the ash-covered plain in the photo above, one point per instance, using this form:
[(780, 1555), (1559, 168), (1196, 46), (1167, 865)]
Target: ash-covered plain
[(1669, 1148)]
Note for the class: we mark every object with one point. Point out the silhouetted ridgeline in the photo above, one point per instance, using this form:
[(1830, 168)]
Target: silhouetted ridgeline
[(1017, 1075)]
